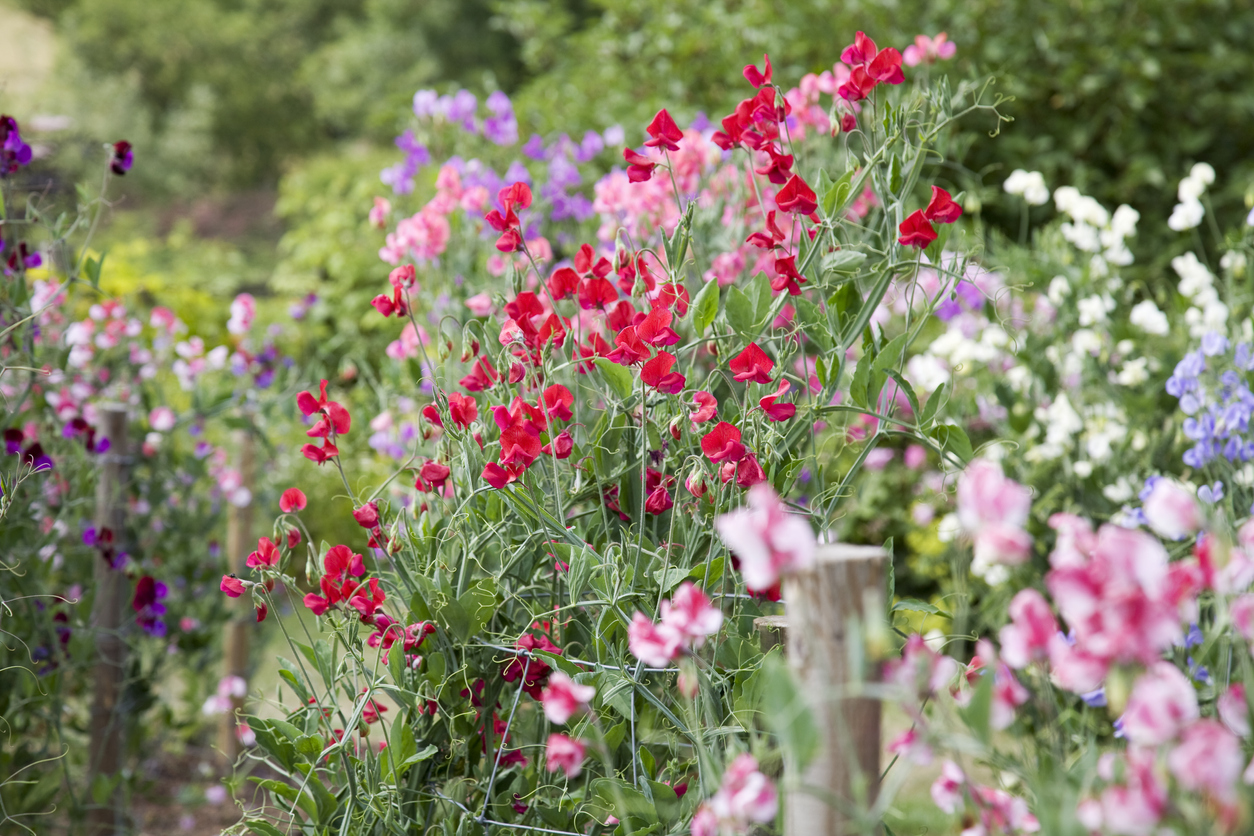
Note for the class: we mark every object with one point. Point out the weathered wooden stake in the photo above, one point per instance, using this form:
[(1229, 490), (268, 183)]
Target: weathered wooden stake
[(239, 544), (822, 604), (106, 816)]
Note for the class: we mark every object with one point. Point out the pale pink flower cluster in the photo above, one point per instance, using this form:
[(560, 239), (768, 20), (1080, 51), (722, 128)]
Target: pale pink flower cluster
[(243, 312), (641, 210), (229, 688), (424, 235), (768, 540), (1172, 510), (994, 511), (997, 812), (686, 619), (928, 50), (1121, 597), (745, 797)]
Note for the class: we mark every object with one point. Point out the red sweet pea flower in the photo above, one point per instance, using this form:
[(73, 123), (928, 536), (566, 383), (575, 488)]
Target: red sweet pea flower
[(482, 376), (673, 294), (403, 277), (463, 409), (367, 600), (756, 78), (886, 67), (752, 365), (597, 293), (563, 283), (595, 347), (293, 499), (588, 263), (561, 446), (558, 401), (340, 560), (232, 586), (320, 455), (552, 330), (367, 516), (293, 538), (664, 132), (723, 443), (788, 277), (432, 476), (856, 87), (706, 407), (515, 194), (267, 554), (916, 231), (942, 209), (778, 411), (796, 197), (631, 349), (639, 167), (498, 477), (770, 239), (749, 472), (262, 612), (433, 415), (334, 417), (861, 51), (659, 501), (655, 329), (779, 168), (520, 445), (622, 315), (657, 373)]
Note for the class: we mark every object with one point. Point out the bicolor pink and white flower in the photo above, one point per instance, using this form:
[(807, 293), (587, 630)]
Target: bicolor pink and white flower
[(768, 540), (564, 698), (564, 753), (1162, 703)]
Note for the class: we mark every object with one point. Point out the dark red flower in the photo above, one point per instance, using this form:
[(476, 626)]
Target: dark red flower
[(916, 231), (663, 132), (123, 158), (759, 78), (942, 209), (752, 365), (659, 500), (796, 197)]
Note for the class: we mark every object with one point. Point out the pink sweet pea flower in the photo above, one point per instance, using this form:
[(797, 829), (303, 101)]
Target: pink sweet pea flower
[(947, 788), (267, 554), (563, 698), (1163, 701), (745, 796), (691, 614), (654, 644), (1234, 710), (1141, 802), (928, 50), (1032, 626), (232, 586), (1172, 510), (564, 753), (767, 539), (1208, 760), (986, 496)]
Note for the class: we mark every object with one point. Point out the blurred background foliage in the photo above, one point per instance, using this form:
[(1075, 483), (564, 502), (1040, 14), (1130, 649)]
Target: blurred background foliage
[(261, 125)]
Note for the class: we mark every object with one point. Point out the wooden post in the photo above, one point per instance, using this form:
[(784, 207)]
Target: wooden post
[(106, 816), (823, 604), (239, 544), (772, 630)]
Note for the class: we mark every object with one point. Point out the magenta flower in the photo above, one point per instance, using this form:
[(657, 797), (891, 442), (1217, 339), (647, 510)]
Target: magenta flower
[(654, 644), (293, 499)]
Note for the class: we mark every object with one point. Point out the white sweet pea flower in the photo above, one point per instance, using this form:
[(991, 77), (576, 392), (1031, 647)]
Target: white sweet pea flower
[(1030, 185), (1146, 316), (1186, 215)]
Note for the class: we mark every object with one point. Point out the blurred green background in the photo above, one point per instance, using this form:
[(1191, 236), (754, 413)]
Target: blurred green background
[(260, 126)]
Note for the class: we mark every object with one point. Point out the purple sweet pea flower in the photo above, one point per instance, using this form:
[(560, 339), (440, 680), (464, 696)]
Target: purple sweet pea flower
[(426, 103), (534, 147)]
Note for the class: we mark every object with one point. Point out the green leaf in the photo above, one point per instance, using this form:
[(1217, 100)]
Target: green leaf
[(953, 439), (843, 261), (624, 800), (713, 570), (303, 800), (933, 405), (325, 801), (294, 680), (858, 387), (480, 602), (813, 322), (648, 762), (978, 712), (834, 198), (759, 293), (616, 376), (913, 605), (665, 801), (560, 663), (670, 578), (905, 386), (262, 827), (787, 713), (740, 311), (894, 173), (705, 307)]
